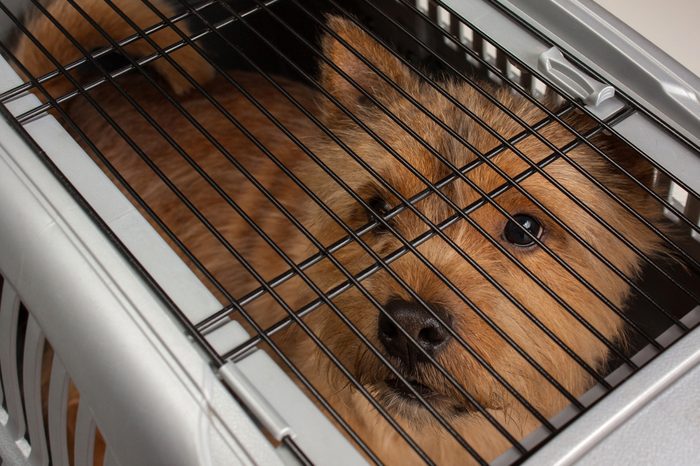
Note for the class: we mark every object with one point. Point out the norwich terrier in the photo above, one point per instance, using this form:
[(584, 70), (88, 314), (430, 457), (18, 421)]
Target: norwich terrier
[(477, 331)]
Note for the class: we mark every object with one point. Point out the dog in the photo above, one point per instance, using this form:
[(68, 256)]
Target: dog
[(442, 360)]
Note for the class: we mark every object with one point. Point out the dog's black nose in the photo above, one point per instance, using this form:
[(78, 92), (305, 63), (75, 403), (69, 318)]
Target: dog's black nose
[(417, 322)]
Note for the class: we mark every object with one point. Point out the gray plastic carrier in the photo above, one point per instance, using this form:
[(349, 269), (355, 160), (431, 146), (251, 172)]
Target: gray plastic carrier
[(153, 393)]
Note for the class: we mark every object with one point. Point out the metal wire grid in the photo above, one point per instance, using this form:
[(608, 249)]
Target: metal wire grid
[(268, 287)]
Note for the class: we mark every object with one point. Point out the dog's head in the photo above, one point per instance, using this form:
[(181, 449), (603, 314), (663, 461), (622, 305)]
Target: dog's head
[(513, 280)]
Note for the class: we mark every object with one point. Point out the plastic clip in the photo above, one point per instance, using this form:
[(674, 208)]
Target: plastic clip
[(556, 67)]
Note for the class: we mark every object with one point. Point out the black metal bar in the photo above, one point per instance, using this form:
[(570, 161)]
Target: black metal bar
[(298, 452)]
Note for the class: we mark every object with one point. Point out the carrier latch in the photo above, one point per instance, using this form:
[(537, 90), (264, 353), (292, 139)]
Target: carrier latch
[(556, 67)]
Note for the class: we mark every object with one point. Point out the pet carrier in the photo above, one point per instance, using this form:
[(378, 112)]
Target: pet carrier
[(117, 344)]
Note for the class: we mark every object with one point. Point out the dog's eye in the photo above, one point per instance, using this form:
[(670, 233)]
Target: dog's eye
[(379, 207), (515, 234)]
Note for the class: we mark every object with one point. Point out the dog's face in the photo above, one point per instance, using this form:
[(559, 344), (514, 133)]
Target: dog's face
[(492, 305)]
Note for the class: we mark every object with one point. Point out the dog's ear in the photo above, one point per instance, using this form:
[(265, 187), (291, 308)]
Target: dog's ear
[(346, 48)]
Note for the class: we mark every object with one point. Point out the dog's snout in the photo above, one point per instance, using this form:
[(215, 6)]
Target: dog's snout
[(417, 322)]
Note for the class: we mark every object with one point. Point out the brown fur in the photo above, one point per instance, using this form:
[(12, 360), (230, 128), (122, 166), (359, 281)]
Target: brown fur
[(358, 359)]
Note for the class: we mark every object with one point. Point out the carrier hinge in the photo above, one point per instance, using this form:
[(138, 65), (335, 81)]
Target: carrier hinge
[(255, 402), (556, 67)]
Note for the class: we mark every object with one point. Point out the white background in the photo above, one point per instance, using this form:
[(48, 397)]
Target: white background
[(673, 25)]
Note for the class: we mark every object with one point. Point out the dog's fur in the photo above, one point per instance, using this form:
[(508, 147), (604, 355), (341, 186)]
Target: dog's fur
[(331, 330)]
